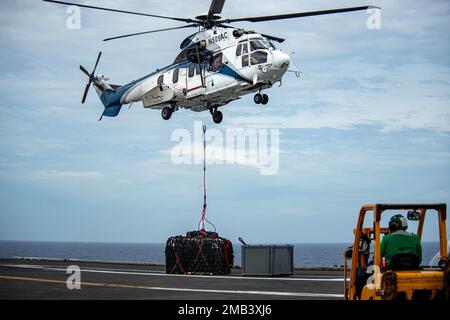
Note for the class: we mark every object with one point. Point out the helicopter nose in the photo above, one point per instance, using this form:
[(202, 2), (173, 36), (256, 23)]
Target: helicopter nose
[(281, 60)]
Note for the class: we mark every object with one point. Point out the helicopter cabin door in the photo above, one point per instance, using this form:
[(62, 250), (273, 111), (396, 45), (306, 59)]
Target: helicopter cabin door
[(195, 80)]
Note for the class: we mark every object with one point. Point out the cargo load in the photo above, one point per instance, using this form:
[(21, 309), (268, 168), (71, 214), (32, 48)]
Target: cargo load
[(199, 253)]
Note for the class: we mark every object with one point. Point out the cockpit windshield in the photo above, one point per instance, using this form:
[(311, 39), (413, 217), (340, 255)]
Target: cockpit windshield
[(258, 57), (254, 51), (260, 43), (268, 44), (257, 45)]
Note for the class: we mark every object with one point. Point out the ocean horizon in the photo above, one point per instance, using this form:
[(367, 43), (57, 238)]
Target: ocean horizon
[(305, 254)]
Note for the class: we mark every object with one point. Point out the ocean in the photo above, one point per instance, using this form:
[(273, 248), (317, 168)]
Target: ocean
[(305, 254)]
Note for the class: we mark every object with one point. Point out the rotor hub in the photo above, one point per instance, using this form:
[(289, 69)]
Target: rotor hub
[(204, 17)]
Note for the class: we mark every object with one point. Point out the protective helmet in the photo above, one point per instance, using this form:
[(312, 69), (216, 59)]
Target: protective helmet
[(398, 222)]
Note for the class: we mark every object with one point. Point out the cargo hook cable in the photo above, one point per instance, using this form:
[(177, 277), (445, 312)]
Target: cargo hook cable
[(203, 219)]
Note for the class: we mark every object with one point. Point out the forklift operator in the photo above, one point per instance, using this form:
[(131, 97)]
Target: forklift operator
[(399, 241)]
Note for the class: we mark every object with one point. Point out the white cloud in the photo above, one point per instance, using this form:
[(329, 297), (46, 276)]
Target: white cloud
[(396, 99)]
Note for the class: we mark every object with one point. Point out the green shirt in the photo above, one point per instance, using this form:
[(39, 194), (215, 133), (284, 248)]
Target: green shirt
[(400, 242)]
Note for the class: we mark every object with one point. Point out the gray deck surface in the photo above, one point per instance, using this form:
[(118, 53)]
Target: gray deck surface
[(45, 279)]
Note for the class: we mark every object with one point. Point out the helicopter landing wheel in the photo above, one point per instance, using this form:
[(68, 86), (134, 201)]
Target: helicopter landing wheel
[(265, 99), (258, 98), (166, 113), (217, 117)]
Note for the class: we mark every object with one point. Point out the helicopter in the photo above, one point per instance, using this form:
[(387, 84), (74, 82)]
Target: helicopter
[(217, 64)]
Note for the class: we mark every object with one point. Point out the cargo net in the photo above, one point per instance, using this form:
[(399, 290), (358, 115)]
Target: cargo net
[(199, 252)]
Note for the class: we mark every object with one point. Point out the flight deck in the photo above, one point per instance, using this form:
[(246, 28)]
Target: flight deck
[(47, 279)]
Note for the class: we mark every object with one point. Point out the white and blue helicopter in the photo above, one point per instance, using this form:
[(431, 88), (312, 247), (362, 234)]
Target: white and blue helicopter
[(218, 64)]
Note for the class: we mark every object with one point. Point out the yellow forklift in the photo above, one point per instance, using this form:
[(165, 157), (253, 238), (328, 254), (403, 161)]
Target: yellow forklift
[(370, 279)]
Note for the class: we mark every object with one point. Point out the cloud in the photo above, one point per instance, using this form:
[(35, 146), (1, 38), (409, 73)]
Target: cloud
[(399, 101), (368, 120)]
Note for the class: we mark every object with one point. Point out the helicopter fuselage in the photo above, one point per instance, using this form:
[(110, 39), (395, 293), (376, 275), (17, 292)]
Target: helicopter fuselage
[(216, 66)]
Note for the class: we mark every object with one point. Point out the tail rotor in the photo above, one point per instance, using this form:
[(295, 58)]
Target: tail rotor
[(91, 77)]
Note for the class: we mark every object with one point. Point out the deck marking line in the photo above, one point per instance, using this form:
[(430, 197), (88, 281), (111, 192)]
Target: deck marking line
[(176, 275), (124, 286)]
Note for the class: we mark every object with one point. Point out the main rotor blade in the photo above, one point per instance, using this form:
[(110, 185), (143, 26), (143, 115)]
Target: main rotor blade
[(120, 11), (152, 31), (298, 15), (216, 8), (96, 64)]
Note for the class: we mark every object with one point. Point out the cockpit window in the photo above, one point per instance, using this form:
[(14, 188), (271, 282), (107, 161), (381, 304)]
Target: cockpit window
[(175, 76), (245, 48), (238, 50), (257, 45), (191, 71), (268, 44), (245, 61), (217, 62), (258, 48), (160, 80), (258, 57)]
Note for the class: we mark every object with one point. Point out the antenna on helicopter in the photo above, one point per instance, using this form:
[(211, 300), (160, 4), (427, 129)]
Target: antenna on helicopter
[(91, 77)]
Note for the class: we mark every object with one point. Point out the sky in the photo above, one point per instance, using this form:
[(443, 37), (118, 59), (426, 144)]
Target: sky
[(367, 122)]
